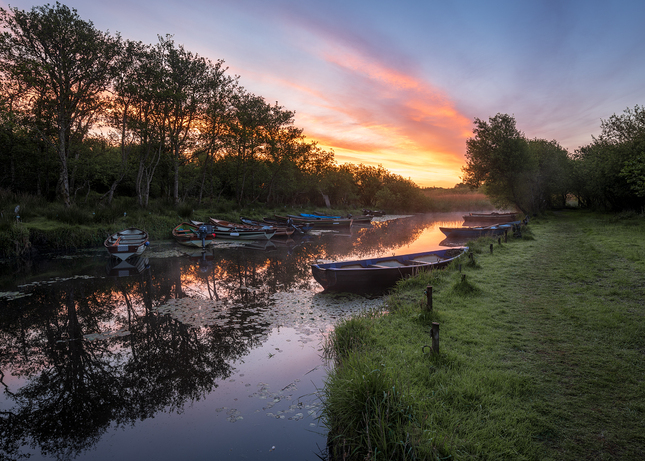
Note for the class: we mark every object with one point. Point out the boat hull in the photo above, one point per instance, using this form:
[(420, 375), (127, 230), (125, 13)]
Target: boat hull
[(476, 232), (126, 243), (318, 223), (189, 235), (488, 218), (378, 274), (243, 235)]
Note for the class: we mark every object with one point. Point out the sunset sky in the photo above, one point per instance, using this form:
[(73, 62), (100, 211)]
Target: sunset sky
[(399, 83)]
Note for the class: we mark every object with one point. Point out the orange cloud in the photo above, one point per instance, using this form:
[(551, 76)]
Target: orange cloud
[(398, 121), (372, 113)]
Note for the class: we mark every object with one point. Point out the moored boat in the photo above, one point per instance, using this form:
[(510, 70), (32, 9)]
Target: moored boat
[(479, 231), (282, 230), (367, 212), (193, 234), (365, 219), (244, 234), (240, 231), (380, 273), (317, 223), (488, 218), (304, 227), (127, 243)]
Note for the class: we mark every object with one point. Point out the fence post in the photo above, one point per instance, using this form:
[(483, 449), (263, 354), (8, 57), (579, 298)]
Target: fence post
[(491, 248), (429, 298), (434, 332)]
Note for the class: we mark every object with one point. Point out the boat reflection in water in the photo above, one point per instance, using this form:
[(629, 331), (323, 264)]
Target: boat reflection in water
[(124, 268), (182, 354)]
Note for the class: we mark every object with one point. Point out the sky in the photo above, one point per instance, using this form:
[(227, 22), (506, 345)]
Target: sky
[(400, 83)]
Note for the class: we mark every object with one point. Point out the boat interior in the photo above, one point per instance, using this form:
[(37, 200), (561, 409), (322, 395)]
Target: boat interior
[(418, 261)]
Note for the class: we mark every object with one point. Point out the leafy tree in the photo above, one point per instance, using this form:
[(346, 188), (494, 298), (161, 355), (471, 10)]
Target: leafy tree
[(247, 138), (63, 65), (185, 87), (497, 157), (610, 172), (369, 180), (137, 115), (213, 125), (550, 183)]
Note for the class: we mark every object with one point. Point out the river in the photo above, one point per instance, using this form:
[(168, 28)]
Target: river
[(182, 355)]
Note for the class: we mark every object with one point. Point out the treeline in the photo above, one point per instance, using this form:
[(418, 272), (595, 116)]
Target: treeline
[(536, 174), (86, 116)]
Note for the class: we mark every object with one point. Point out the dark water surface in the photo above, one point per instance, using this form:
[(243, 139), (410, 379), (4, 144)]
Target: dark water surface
[(196, 356)]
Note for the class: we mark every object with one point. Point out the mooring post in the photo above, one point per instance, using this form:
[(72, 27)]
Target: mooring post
[(429, 297), (506, 236), (459, 267), (434, 332), (499, 241), (471, 255), (491, 248)]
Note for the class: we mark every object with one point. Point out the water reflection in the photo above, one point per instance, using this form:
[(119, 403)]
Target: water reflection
[(89, 348)]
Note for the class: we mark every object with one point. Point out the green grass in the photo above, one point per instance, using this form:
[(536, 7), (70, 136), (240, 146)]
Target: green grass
[(542, 354)]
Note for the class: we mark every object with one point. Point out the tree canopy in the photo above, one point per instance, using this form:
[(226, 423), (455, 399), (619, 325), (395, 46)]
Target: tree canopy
[(122, 118)]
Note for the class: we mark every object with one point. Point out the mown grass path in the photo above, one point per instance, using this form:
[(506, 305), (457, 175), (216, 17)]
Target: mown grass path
[(581, 289), (542, 354)]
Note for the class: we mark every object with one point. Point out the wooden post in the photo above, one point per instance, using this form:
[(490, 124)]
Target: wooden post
[(499, 241), (434, 332), (429, 298), (506, 236), (460, 267), (491, 248)]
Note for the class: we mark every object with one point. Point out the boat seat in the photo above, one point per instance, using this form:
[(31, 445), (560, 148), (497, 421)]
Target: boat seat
[(351, 266), (427, 259), (388, 263)]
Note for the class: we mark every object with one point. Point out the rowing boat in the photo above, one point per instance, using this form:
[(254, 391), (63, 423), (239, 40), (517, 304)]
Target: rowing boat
[(127, 243), (478, 231), (380, 273), (193, 234)]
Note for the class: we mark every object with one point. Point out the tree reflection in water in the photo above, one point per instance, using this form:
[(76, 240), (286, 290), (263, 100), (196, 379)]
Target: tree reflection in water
[(81, 355)]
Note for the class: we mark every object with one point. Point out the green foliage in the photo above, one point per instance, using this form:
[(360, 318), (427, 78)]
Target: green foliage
[(349, 336), (15, 240), (609, 173)]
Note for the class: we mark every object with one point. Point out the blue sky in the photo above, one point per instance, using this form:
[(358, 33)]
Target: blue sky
[(399, 83)]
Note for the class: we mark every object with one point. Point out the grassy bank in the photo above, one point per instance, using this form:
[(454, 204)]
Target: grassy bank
[(542, 354)]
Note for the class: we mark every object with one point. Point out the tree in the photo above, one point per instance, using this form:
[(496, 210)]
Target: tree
[(64, 66), (552, 181), (627, 133), (215, 119), (610, 172), (498, 158), (186, 86), (246, 137)]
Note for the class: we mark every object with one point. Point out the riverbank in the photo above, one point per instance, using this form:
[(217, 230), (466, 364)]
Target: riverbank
[(541, 353)]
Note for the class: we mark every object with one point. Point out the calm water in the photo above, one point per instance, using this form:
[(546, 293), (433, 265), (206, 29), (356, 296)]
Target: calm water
[(184, 356)]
